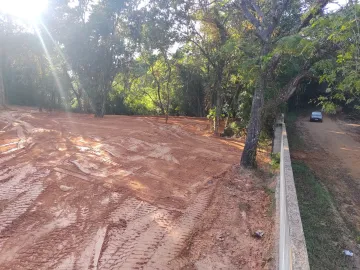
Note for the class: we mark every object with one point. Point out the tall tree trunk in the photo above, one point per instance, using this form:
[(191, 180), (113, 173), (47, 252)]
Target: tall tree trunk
[(167, 87), (158, 91), (77, 95), (217, 112), (218, 89), (248, 157), (199, 106), (2, 87), (100, 104)]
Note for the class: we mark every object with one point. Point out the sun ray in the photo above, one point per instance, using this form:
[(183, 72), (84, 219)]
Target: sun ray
[(52, 67)]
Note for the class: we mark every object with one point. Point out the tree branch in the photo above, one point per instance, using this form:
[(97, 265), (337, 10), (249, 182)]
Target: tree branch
[(258, 27), (287, 91), (158, 89), (204, 52), (257, 9), (313, 12)]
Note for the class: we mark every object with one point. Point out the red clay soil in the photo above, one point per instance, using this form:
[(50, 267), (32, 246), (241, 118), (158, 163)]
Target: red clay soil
[(125, 193)]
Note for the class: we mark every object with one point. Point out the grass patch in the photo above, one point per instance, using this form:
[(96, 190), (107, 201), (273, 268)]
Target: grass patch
[(275, 161), (296, 142), (322, 232)]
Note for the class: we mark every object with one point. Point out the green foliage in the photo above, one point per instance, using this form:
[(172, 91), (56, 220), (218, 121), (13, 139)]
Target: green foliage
[(327, 105), (275, 161), (212, 113), (340, 67), (236, 128), (239, 128), (30, 79)]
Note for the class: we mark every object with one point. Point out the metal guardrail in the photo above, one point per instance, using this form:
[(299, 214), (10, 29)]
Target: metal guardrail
[(292, 252)]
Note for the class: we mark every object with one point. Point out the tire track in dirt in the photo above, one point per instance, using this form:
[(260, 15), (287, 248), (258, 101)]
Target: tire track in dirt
[(51, 251), (132, 209), (137, 216), (175, 241), (68, 263), (140, 251), (52, 245), (17, 172), (16, 186), (16, 208), (150, 240)]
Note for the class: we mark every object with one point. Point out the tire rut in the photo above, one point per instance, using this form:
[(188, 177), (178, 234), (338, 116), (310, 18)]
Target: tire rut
[(120, 241), (11, 189), (18, 207), (151, 240), (175, 240), (50, 251)]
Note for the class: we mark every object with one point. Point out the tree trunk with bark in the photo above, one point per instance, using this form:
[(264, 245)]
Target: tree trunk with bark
[(100, 103), (218, 89), (78, 94), (248, 158), (100, 106), (217, 112)]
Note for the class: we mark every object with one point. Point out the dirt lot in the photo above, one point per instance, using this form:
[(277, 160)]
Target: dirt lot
[(126, 193), (332, 151)]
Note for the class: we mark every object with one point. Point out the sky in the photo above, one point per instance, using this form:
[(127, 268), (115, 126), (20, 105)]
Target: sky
[(335, 5)]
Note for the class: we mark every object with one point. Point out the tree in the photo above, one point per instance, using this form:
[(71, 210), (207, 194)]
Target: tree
[(94, 47), (265, 20), (6, 27), (155, 36), (206, 25), (161, 70), (339, 35)]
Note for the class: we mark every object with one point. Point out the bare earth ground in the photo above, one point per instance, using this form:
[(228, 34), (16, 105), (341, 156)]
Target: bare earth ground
[(334, 154), (125, 193)]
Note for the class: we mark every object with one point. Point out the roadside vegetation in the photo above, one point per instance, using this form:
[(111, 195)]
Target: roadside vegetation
[(323, 229)]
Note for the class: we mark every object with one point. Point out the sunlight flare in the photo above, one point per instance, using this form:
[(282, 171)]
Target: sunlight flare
[(24, 9)]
